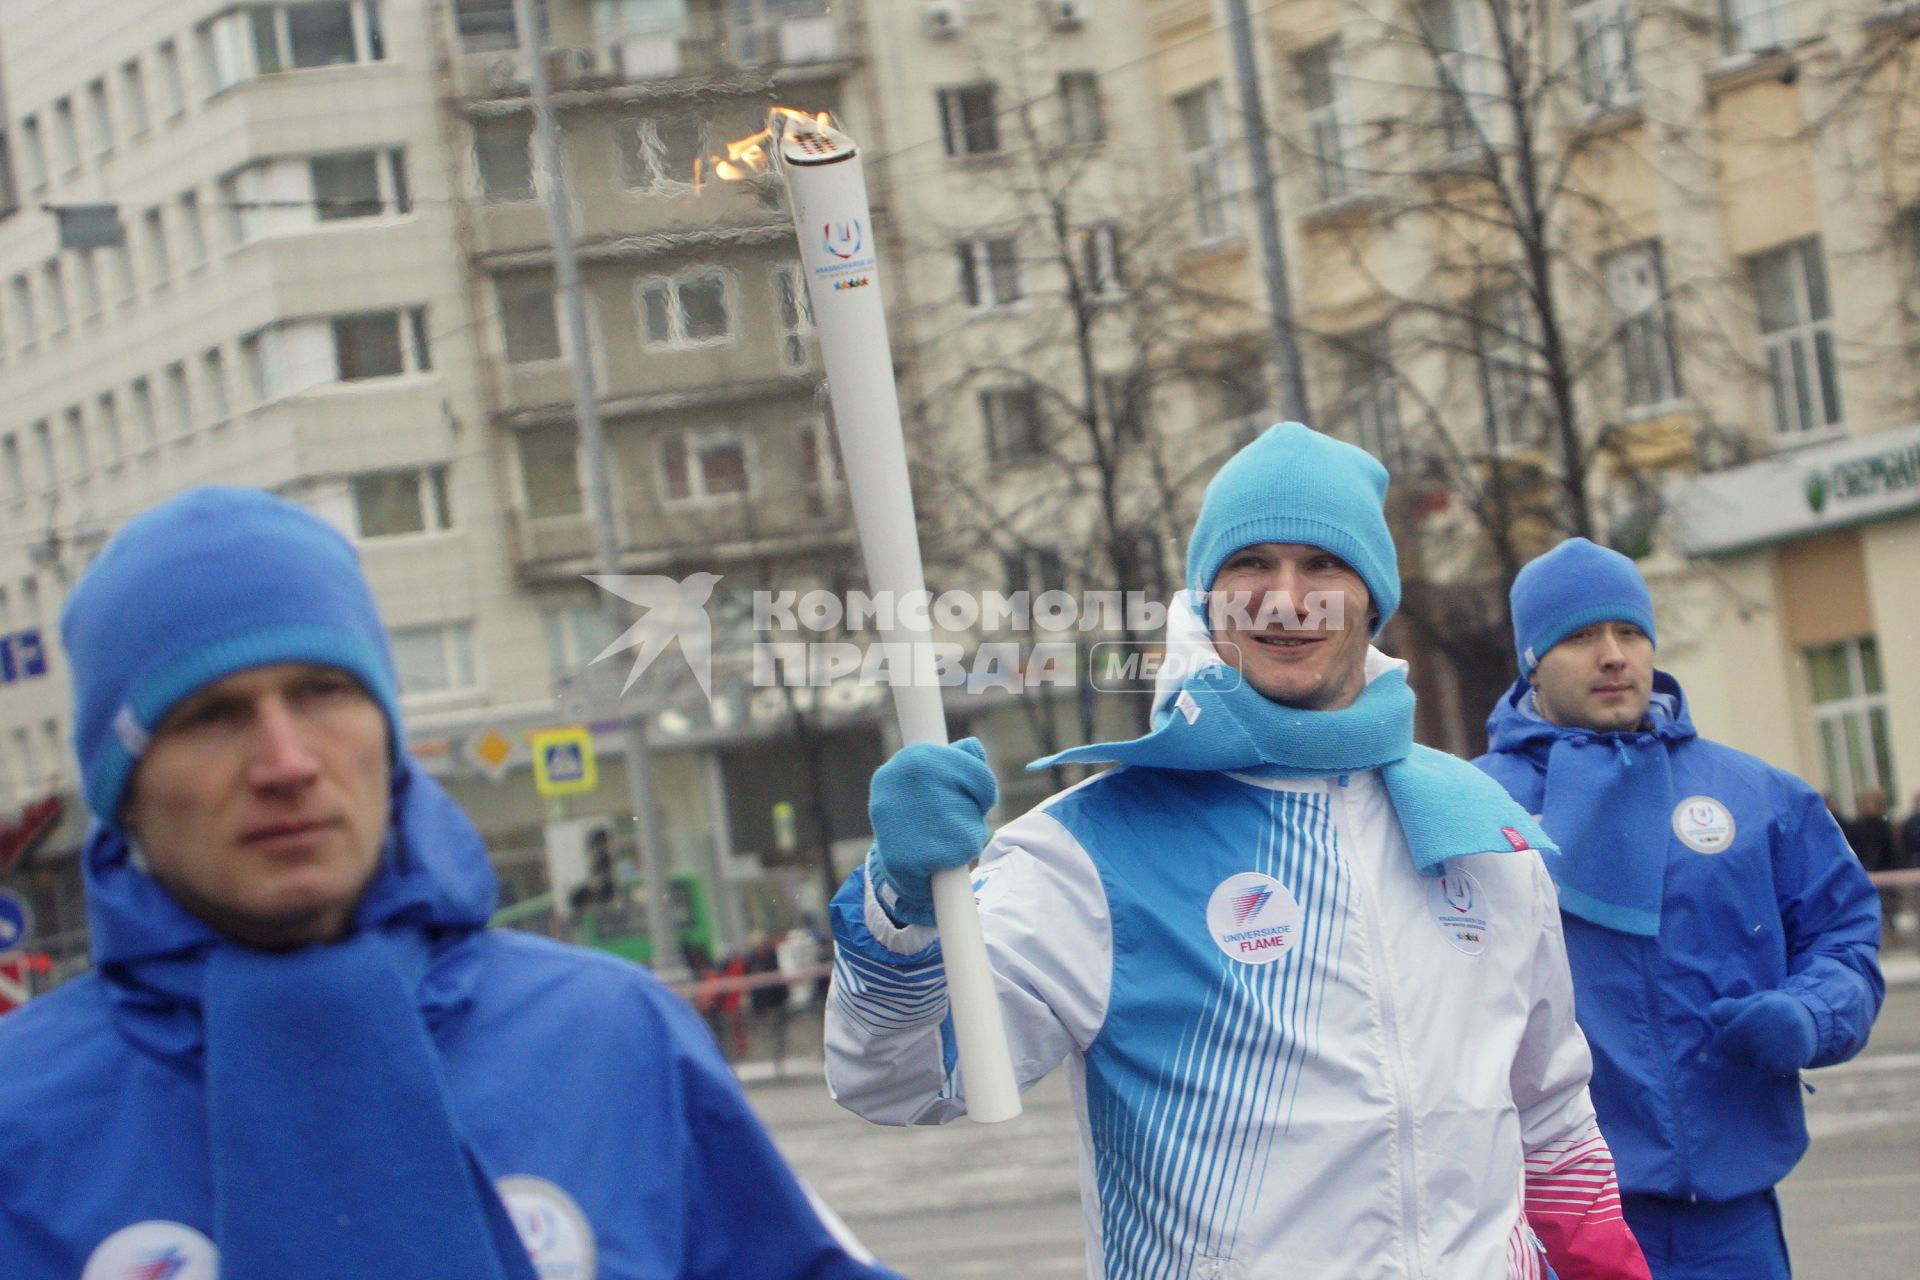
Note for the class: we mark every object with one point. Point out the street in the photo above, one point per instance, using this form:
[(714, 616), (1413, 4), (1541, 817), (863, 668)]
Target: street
[(969, 1200)]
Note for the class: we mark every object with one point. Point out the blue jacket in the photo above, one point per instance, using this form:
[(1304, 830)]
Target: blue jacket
[(562, 1065), (1785, 906)]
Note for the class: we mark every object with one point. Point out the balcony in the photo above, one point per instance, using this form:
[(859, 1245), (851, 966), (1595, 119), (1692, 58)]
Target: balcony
[(700, 43), (808, 521)]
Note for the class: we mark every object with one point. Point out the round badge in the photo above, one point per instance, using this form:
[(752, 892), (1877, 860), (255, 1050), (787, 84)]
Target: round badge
[(154, 1250), (1253, 918), (1459, 906), (556, 1234), (1703, 824)]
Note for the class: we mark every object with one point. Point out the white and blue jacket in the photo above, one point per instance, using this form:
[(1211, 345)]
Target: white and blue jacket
[(1286, 1045)]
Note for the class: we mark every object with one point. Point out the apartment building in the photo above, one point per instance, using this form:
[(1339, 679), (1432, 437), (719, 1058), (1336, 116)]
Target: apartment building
[(267, 291), (1729, 257)]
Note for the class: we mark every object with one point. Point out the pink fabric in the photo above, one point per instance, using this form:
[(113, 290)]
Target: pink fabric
[(1573, 1206)]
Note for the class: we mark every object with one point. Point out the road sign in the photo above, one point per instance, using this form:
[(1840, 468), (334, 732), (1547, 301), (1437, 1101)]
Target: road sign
[(16, 921), (490, 751), (563, 762)]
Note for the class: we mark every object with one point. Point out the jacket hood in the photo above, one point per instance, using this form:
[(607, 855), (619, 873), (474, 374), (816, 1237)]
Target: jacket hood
[(433, 876), (1515, 727)]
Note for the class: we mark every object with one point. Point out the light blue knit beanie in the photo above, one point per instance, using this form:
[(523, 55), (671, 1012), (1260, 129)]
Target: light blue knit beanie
[(1294, 484), (211, 582), (1575, 585)]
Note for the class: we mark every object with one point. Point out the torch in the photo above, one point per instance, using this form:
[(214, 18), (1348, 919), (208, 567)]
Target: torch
[(838, 256)]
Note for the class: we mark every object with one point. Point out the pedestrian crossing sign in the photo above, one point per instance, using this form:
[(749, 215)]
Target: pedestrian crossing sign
[(563, 762)]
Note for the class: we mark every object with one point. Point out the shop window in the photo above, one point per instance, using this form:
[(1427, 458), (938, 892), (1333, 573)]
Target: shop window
[(1850, 717)]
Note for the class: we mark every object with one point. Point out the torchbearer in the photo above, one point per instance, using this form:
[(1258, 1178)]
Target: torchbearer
[(1307, 976), (838, 252)]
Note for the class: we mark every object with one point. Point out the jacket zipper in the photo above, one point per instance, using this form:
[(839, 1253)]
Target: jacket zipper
[(1390, 1027), (1659, 1026)]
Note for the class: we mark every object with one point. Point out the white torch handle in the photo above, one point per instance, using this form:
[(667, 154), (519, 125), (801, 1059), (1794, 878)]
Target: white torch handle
[(835, 226)]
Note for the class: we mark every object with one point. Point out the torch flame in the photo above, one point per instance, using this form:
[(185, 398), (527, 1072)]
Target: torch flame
[(752, 155)]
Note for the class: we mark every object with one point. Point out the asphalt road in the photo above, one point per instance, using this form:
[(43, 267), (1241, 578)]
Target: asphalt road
[(968, 1201)]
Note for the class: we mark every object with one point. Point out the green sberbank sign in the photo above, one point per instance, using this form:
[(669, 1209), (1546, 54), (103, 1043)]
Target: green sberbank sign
[(1797, 493), (1893, 471)]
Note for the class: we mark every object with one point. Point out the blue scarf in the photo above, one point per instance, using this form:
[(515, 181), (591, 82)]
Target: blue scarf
[(1607, 802), (334, 1148), (1213, 720)]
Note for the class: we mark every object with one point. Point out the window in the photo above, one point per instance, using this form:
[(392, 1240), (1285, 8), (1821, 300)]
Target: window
[(796, 316), (86, 280), (484, 25), (347, 186), (1100, 264), (173, 86), (133, 97), (1120, 407), (194, 227), (159, 259), (576, 635), (657, 157), (79, 448), (1603, 52), (1034, 570), (1467, 98), (33, 150), (390, 504), (1203, 130), (1649, 359), (434, 660), (66, 136), (989, 271), (49, 460), (1330, 128), (1509, 371), (263, 39), (503, 150), (1012, 417), (1755, 26), (379, 344), (146, 422), (969, 123), (112, 442), (529, 321), (213, 370), (550, 473), (293, 194), (702, 464), (1796, 327), (20, 315), (1083, 117), (1368, 412), (179, 397), (1850, 716), (688, 310), (55, 288), (100, 116)]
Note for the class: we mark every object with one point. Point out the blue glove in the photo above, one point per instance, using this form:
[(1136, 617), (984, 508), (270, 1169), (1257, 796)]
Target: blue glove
[(1770, 1030), (929, 809)]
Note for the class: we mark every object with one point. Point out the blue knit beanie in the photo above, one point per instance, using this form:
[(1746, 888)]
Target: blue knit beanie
[(1294, 484), (211, 582), (1575, 585)]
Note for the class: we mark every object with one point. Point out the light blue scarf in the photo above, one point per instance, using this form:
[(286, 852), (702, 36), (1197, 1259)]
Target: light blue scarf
[(1212, 720)]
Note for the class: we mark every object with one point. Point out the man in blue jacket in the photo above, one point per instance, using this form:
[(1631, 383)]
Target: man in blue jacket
[(1722, 936), (300, 1053)]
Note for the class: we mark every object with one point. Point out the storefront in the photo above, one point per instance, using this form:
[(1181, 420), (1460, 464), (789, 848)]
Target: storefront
[(1794, 620)]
